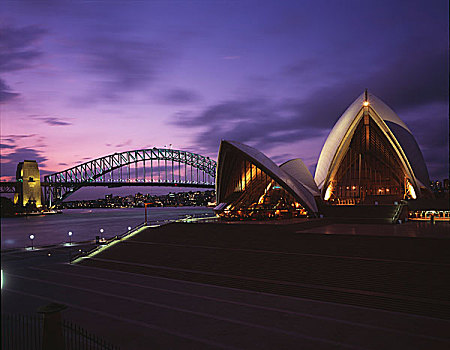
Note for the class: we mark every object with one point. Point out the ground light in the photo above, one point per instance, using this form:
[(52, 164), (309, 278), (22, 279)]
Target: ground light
[(31, 239), (70, 237)]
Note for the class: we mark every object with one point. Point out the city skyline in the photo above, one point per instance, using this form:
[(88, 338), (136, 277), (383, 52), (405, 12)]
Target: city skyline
[(81, 80)]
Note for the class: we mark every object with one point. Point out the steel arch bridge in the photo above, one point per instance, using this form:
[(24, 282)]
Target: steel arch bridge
[(145, 167)]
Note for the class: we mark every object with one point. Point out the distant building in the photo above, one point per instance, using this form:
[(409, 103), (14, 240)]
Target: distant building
[(440, 188), (29, 190)]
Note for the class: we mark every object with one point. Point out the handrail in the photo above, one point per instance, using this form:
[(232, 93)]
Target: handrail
[(107, 242), (191, 220), (398, 211), (134, 229)]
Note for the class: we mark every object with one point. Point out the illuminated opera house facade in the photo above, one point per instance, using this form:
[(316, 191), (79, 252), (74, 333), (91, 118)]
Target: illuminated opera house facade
[(370, 157)]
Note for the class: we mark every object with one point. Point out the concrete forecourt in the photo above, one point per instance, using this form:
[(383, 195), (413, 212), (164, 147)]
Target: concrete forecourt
[(250, 286)]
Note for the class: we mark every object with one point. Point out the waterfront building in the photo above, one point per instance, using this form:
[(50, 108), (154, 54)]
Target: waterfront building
[(250, 185), (370, 157), (29, 189)]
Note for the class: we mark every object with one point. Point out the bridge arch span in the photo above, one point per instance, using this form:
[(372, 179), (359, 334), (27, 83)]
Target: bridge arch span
[(144, 167)]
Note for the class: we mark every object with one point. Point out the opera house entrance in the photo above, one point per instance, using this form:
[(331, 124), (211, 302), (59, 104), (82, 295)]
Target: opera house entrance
[(370, 157), (370, 170)]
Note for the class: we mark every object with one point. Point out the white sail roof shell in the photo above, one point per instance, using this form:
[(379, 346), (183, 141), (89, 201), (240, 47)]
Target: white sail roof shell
[(395, 125), (299, 171), (284, 179)]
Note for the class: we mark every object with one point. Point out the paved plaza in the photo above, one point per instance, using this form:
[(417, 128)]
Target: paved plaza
[(207, 286)]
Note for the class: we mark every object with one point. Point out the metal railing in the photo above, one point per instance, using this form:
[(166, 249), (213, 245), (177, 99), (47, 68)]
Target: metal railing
[(119, 237), (103, 244), (107, 242), (21, 332), (197, 220), (398, 211), (77, 338), (24, 332)]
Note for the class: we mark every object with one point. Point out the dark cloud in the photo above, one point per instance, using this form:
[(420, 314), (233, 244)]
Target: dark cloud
[(434, 135), (5, 92), (16, 47), (17, 52), (52, 121), (10, 160), (406, 74), (46, 6), (126, 143), (5, 146), (259, 122), (180, 96), (122, 66), (281, 158), (25, 153), (430, 126), (63, 164), (56, 122), (414, 82), (437, 161), (404, 84), (83, 160), (14, 137)]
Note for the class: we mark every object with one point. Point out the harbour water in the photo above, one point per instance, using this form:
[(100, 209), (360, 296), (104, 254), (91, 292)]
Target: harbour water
[(85, 224)]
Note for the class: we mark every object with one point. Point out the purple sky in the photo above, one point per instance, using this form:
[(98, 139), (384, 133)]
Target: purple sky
[(83, 79)]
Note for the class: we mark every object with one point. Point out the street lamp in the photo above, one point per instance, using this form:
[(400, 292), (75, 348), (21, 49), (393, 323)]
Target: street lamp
[(129, 228), (70, 237), (101, 234), (31, 239)]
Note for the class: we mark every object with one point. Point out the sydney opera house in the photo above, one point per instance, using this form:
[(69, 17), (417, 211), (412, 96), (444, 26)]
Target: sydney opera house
[(370, 157)]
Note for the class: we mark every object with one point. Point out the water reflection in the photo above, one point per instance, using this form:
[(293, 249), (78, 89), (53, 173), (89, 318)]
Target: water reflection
[(84, 223)]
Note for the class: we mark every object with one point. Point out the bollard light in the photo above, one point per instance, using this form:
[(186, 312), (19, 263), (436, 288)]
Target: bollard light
[(70, 237), (31, 239)]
